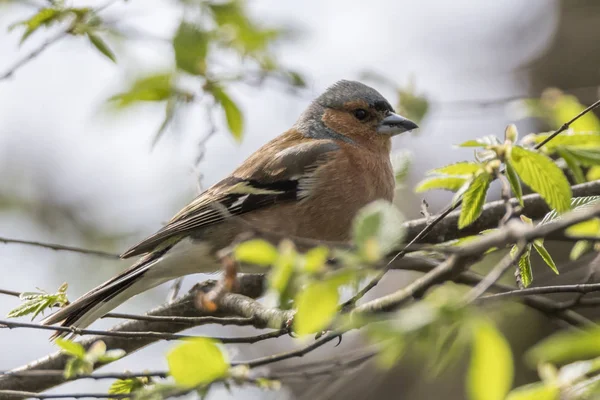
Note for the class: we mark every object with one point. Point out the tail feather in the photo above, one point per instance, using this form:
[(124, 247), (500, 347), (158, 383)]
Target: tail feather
[(180, 259)]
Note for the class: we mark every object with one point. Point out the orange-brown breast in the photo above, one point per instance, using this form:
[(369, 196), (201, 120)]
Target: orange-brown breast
[(354, 178)]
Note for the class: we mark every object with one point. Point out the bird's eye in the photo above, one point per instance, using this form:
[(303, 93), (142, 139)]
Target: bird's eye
[(360, 114)]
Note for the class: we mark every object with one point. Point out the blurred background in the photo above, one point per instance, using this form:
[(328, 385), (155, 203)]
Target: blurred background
[(76, 173)]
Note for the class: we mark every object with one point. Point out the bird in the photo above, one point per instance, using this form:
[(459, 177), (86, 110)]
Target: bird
[(308, 182)]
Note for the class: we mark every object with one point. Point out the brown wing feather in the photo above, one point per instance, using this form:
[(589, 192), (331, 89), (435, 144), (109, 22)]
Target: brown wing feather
[(267, 177)]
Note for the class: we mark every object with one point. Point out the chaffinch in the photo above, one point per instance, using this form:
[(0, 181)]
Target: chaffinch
[(308, 182)]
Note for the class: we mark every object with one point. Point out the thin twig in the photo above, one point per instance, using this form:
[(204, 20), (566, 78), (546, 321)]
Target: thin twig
[(576, 288), (138, 335), (60, 247), (29, 57), (94, 376), (496, 273)]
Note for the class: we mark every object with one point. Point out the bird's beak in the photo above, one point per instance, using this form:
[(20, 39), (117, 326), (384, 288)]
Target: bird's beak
[(395, 124)]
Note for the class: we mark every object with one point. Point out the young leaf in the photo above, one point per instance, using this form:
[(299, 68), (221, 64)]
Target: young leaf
[(127, 386), (71, 348), (573, 164), (538, 245), (233, 115), (473, 199), (256, 252), (515, 183), (191, 47), (157, 87), (566, 346), (569, 139), (197, 362), (37, 302), (577, 204), (460, 168), (543, 176), (377, 229), (490, 372), (44, 17), (579, 248), (593, 173), (452, 183), (481, 142), (317, 305), (101, 46), (525, 275), (315, 259), (585, 157), (535, 391), (586, 228)]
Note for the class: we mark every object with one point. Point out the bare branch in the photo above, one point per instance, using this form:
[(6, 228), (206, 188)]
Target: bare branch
[(60, 247)]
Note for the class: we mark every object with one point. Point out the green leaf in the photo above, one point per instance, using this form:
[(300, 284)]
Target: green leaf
[(464, 168), (573, 164), (473, 200), (515, 183), (490, 372), (401, 163), (586, 228), (101, 46), (191, 47), (543, 176), (37, 302), (158, 87), (283, 269), (485, 141), (577, 204), (44, 17), (412, 105), (566, 346), (535, 391), (127, 386), (585, 157), (538, 245), (593, 173), (315, 259), (235, 119), (525, 275), (256, 252), (196, 362), (569, 139), (317, 305), (564, 107), (71, 348), (452, 183), (170, 110), (579, 248), (377, 229)]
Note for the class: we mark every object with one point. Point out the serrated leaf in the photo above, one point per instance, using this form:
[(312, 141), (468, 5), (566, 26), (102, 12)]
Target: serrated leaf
[(197, 361), (566, 346), (535, 391), (490, 372), (317, 305), (457, 169), (377, 229), (579, 248), (543, 176), (585, 157), (525, 274), (71, 348), (190, 45), (101, 46), (573, 164), (452, 183), (127, 386), (577, 204), (584, 229), (233, 115), (473, 200), (538, 245), (158, 87), (481, 142), (256, 252), (515, 183)]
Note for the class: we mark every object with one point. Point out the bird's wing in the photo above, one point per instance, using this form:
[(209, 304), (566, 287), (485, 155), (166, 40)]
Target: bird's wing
[(266, 178)]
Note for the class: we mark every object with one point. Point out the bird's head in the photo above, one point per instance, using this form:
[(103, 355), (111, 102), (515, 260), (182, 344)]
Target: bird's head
[(353, 112)]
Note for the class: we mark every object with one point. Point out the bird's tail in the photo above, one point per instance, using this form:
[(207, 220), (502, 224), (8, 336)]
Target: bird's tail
[(148, 272)]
